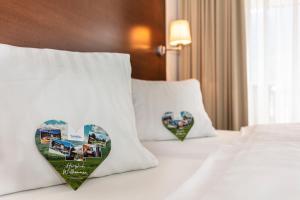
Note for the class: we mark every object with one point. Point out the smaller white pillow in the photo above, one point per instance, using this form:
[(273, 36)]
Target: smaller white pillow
[(153, 100)]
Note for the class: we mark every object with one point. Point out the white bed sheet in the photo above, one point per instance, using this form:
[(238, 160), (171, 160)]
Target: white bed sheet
[(262, 165), (178, 162)]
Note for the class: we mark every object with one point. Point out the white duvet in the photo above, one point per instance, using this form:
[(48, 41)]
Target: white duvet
[(263, 165)]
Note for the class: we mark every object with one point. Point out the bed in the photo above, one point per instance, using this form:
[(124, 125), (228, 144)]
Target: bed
[(178, 162), (262, 164), (221, 167)]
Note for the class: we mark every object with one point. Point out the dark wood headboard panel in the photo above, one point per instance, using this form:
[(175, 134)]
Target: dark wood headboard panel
[(126, 26)]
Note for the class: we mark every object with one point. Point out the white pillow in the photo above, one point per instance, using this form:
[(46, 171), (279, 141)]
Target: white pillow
[(152, 99), (37, 85)]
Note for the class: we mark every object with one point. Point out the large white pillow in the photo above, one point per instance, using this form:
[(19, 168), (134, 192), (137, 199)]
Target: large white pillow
[(37, 85), (152, 99)]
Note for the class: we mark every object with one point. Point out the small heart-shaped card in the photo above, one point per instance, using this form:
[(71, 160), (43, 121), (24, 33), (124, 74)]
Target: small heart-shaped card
[(74, 155), (178, 125)]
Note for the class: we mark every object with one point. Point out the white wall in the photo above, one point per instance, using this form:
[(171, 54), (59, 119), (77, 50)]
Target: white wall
[(172, 56)]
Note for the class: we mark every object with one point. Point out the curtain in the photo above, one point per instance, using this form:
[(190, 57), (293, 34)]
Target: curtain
[(217, 57), (273, 39)]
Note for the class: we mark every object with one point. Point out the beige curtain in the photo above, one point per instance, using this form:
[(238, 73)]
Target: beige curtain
[(217, 57)]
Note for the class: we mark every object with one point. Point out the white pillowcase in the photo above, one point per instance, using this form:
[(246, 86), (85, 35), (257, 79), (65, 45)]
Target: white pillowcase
[(152, 99), (37, 85)]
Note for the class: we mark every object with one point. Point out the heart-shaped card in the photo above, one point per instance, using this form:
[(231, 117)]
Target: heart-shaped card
[(179, 125), (74, 155)]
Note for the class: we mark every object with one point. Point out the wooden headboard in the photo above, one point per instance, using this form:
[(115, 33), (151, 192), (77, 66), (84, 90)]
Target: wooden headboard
[(126, 26)]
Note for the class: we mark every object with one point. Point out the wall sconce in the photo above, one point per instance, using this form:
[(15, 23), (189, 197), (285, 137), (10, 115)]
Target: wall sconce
[(180, 36)]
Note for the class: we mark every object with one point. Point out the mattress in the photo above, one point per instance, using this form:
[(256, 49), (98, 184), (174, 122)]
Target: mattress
[(263, 164), (178, 161)]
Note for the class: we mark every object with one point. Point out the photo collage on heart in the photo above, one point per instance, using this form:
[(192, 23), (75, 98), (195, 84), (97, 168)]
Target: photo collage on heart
[(179, 125), (75, 155)]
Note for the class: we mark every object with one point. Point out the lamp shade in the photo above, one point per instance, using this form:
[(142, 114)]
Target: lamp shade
[(180, 33)]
